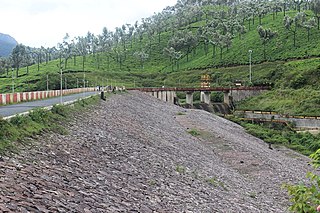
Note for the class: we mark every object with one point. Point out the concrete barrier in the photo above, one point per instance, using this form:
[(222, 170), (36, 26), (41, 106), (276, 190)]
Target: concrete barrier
[(10, 98)]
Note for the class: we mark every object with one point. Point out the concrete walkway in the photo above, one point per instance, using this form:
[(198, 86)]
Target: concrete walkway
[(13, 109)]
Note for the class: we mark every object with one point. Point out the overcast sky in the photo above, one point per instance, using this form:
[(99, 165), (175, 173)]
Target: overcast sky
[(45, 22)]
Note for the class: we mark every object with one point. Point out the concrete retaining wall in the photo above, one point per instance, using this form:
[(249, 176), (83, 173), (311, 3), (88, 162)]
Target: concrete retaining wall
[(238, 95), (299, 121), (10, 98)]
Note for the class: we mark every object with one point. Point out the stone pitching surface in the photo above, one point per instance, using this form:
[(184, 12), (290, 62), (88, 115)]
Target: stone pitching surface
[(133, 153)]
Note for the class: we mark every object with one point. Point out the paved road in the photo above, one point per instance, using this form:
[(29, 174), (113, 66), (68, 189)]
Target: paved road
[(9, 110)]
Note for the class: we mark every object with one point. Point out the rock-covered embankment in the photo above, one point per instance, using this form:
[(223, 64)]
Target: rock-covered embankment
[(133, 153)]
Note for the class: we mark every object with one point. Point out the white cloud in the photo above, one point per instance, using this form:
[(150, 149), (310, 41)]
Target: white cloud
[(45, 22)]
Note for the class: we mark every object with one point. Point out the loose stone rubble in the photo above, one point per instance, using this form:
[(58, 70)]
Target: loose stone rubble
[(133, 153)]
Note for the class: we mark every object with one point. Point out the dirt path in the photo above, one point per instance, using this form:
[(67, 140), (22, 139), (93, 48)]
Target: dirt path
[(133, 153)]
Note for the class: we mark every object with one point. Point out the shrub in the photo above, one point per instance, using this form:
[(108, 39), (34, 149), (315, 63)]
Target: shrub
[(39, 116), (60, 110), (181, 169), (306, 198), (194, 132)]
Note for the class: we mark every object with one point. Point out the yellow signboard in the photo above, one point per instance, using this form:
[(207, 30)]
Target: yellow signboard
[(205, 81)]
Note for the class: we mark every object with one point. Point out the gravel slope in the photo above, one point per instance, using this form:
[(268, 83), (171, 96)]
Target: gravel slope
[(133, 153)]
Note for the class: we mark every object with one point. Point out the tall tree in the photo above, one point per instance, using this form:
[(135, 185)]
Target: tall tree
[(265, 35), (262, 10), (123, 36), (184, 41), (222, 41), (36, 53), (28, 60), (120, 56), (4, 65), (308, 25), (17, 56), (82, 48), (174, 56), (298, 4), (142, 57), (190, 42), (66, 48), (106, 43), (292, 24), (315, 7)]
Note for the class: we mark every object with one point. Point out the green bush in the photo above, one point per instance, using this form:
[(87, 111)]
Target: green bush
[(216, 97), (8, 131), (60, 110), (194, 132), (181, 169), (306, 198), (40, 116), (304, 143)]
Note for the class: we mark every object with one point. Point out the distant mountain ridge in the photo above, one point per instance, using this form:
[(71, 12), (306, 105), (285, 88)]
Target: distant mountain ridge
[(7, 43)]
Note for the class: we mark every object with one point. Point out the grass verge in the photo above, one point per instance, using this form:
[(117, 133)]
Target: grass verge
[(14, 131)]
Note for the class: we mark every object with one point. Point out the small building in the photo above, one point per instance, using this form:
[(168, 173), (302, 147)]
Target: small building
[(205, 81)]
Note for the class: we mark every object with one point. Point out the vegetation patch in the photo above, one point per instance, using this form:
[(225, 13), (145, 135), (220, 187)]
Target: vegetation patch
[(303, 102), (214, 182), (181, 113), (279, 134), (152, 182), (306, 198), (194, 132), (14, 131), (253, 195), (181, 169)]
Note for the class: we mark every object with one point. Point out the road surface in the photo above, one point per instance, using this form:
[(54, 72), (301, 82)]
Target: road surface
[(9, 110)]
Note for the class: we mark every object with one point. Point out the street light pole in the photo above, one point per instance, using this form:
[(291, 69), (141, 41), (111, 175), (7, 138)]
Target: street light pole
[(84, 82), (60, 85), (12, 81), (250, 71), (47, 82)]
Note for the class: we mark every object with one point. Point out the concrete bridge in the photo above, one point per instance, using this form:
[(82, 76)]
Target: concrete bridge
[(230, 94)]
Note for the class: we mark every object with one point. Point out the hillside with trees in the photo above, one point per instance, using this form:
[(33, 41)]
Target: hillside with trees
[(7, 43), (174, 47)]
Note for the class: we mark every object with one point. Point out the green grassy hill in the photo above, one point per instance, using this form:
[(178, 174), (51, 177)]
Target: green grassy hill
[(293, 70)]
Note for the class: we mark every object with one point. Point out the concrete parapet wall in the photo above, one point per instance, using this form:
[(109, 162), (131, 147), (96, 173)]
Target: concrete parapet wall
[(238, 95), (18, 97)]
